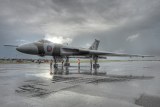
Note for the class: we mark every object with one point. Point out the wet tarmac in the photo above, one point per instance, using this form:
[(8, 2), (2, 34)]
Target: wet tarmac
[(114, 84)]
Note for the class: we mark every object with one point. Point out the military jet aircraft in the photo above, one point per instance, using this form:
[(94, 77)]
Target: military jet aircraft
[(59, 52)]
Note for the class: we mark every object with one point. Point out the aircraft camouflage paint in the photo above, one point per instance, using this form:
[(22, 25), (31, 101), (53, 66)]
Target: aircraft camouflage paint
[(59, 52)]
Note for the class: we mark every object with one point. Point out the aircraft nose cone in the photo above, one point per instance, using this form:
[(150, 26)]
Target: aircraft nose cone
[(28, 49), (18, 48)]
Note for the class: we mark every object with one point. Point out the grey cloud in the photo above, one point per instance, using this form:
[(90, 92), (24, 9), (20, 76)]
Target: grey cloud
[(31, 19)]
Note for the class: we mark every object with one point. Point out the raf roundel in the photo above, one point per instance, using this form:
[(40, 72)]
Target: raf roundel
[(49, 48)]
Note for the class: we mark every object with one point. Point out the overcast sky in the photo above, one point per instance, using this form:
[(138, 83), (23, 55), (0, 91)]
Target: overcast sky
[(125, 26)]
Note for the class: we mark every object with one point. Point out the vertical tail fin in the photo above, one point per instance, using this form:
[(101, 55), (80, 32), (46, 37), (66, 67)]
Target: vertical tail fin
[(95, 45)]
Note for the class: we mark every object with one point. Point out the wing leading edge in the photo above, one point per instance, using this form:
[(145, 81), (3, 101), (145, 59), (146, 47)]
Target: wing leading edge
[(87, 52), (105, 53)]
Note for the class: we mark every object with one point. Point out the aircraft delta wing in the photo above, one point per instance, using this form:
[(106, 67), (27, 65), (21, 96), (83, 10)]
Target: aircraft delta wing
[(100, 53)]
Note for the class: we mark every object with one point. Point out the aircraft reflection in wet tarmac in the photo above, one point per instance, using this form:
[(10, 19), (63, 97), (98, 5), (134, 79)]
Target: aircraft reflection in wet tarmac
[(65, 74), (63, 79), (65, 70)]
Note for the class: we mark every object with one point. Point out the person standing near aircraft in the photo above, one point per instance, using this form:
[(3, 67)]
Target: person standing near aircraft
[(78, 63), (51, 66), (62, 63)]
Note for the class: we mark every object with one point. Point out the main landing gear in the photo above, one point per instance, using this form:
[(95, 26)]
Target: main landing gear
[(95, 60), (67, 62), (56, 60)]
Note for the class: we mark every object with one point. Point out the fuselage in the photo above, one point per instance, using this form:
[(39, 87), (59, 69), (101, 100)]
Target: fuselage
[(47, 48)]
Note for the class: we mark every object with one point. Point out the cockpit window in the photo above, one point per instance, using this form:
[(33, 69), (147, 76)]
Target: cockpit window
[(44, 41)]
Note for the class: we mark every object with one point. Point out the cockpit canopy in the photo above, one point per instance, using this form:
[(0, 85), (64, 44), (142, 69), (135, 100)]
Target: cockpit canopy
[(44, 41)]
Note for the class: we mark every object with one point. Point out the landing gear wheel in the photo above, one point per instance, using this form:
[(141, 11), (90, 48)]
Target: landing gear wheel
[(67, 64), (55, 65), (96, 65)]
